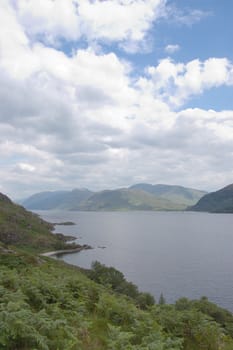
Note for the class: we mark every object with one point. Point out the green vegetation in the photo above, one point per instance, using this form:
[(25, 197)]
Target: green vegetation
[(25, 230), (216, 202), (46, 304), (137, 197), (177, 194), (127, 199), (115, 280)]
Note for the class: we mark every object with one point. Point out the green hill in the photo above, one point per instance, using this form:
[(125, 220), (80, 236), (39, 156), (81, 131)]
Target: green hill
[(137, 197), (220, 201), (177, 194), (46, 304), (127, 199), (25, 230)]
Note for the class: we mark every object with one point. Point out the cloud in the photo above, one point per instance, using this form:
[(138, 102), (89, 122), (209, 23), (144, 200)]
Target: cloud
[(177, 82), (183, 16), (26, 167), (135, 18), (87, 119), (95, 133), (51, 20), (172, 48)]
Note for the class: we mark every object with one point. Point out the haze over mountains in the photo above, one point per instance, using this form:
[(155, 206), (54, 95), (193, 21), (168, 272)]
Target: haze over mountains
[(137, 197), (56, 199)]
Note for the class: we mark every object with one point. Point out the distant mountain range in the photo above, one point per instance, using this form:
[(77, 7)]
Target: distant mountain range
[(56, 199), (137, 197), (216, 202)]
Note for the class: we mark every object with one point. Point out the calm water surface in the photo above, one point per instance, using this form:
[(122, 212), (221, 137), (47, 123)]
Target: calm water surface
[(176, 253)]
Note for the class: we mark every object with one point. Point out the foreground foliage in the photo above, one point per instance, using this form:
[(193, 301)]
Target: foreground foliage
[(46, 304), (115, 280)]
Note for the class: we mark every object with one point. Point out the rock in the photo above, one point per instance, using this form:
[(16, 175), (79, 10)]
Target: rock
[(64, 238), (86, 246), (65, 223)]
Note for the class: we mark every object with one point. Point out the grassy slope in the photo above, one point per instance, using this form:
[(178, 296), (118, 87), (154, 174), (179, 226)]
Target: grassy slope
[(188, 199), (178, 194), (126, 199), (24, 229), (46, 304), (54, 306)]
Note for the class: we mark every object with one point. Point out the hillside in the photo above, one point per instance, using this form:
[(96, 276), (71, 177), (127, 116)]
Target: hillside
[(177, 194), (127, 199), (137, 197), (26, 230), (46, 304), (220, 201), (56, 199)]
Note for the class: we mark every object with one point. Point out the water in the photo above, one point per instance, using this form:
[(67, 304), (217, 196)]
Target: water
[(176, 253)]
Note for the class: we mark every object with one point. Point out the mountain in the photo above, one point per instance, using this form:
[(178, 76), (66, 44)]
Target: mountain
[(220, 201), (44, 200), (75, 198), (178, 194), (56, 199), (127, 199), (137, 197)]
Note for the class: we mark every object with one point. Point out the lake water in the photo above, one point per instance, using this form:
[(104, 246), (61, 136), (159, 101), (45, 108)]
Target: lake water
[(176, 253)]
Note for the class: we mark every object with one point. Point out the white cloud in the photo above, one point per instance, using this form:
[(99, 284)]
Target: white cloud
[(118, 20), (14, 44), (171, 48), (49, 18), (176, 82), (111, 20), (184, 15), (26, 167)]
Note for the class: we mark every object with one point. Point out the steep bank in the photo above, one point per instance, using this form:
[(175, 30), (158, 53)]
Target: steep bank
[(27, 231)]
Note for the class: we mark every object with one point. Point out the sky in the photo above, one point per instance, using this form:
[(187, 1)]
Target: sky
[(103, 94)]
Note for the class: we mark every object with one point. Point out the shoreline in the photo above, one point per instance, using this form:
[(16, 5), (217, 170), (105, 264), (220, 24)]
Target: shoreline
[(66, 251)]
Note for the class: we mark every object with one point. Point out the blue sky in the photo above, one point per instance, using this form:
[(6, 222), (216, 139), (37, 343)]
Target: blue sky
[(105, 94)]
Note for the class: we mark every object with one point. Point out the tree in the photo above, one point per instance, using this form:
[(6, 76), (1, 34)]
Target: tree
[(162, 300)]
